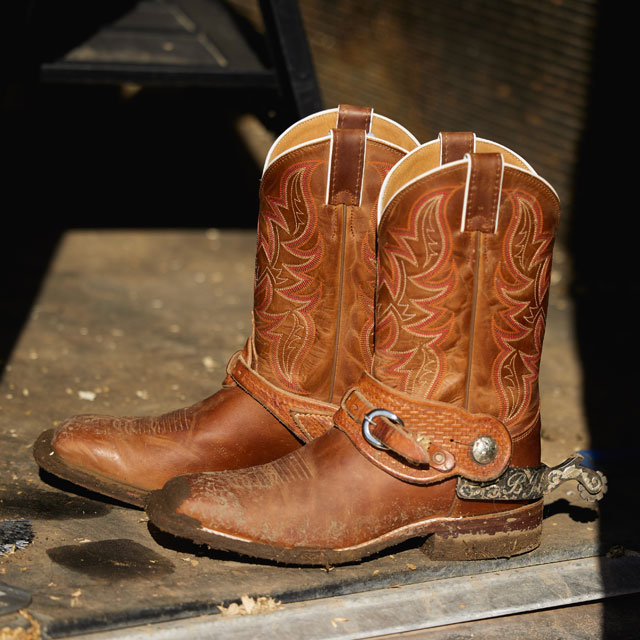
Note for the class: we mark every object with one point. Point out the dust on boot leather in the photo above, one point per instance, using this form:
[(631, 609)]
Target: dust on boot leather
[(464, 257), (312, 319)]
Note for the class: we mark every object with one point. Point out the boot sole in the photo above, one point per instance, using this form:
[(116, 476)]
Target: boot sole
[(47, 457), (498, 535)]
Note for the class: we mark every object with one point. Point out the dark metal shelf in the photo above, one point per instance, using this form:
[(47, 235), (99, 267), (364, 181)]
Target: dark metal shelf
[(196, 43)]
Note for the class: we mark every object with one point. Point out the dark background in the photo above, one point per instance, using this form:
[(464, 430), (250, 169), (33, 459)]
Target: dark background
[(552, 80)]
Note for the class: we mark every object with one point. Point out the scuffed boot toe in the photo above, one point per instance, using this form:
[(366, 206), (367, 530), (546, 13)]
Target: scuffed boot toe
[(166, 509), (83, 451)]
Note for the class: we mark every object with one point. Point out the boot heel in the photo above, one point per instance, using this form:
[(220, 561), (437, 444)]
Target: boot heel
[(499, 535)]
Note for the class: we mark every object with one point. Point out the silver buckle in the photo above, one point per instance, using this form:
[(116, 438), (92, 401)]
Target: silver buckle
[(367, 421)]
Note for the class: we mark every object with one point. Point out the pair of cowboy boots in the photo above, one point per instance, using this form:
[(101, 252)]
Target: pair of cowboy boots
[(399, 314)]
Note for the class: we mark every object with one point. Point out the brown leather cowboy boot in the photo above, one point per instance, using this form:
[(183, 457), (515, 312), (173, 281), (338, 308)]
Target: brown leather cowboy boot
[(313, 322), (444, 437)]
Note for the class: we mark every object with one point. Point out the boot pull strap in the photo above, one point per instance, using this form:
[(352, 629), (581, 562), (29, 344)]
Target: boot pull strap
[(482, 192), (346, 166), (350, 117), (454, 145)]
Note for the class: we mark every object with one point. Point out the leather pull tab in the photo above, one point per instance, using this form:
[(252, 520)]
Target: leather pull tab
[(346, 167), (482, 192), (350, 117), (454, 145)]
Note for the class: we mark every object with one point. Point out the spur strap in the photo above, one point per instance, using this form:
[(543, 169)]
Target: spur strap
[(422, 441), (305, 417)]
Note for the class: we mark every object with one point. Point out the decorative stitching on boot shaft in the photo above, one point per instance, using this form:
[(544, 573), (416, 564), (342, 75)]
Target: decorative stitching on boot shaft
[(296, 274), (286, 294), (433, 277), (416, 276), (522, 286)]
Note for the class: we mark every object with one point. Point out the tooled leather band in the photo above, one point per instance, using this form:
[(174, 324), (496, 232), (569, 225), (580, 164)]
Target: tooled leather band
[(446, 434), (306, 418), (454, 145), (482, 192)]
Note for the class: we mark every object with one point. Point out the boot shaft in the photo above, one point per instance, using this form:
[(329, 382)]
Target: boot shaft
[(464, 266), (316, 256)]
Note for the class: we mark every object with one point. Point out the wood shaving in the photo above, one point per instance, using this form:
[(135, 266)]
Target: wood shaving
[(20, 633), (209, 363), (334, 621), (250, 606)]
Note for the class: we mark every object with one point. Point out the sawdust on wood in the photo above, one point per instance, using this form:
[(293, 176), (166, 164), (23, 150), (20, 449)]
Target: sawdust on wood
[(334, 621), (249, 606), (20, 633)]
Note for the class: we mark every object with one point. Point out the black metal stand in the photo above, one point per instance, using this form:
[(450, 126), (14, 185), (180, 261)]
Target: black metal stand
[(199, 43)]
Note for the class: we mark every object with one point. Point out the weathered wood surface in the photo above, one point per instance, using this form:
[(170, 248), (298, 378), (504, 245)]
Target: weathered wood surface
[(143, 322)]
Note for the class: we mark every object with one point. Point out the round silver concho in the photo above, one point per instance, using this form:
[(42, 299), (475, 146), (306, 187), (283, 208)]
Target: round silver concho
[(367, 421), (484, 450)]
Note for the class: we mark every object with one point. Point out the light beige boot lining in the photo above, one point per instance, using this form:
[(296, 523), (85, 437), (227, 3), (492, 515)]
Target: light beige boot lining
[(427, 158), (318, 126)]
